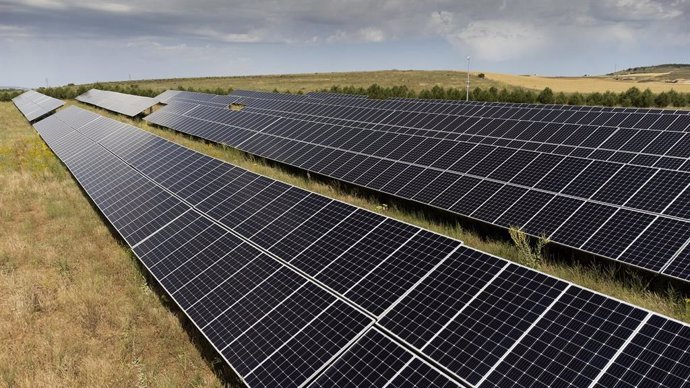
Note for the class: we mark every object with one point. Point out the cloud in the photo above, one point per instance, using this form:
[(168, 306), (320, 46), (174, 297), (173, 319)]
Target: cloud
[(501, 34), (14, 32), (497, 40), (108, 7), (368, 34), (371, 34), (492, 40), (639, 10), (227, 37)]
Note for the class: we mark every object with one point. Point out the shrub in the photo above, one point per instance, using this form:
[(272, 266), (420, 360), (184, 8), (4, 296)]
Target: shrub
[(546, 96)]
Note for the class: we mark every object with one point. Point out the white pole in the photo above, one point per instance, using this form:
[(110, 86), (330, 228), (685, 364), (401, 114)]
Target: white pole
[(467, 96)]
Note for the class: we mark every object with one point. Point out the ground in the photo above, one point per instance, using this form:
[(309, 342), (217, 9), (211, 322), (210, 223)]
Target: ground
[(413, 79), (76, 309), (587, 84)]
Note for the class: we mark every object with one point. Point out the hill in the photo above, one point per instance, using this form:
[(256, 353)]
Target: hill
[(674, 73), (413, 79)]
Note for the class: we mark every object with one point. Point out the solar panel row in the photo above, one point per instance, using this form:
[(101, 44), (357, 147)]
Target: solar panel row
[(287, 284), (34, 105), (595, 135), (633, 214), (126, 104)]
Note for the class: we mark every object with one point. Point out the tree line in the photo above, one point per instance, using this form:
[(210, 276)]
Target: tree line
[(633, 97)]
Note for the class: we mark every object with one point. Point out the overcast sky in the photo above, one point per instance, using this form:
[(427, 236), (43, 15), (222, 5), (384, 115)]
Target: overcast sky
[(84, 41)]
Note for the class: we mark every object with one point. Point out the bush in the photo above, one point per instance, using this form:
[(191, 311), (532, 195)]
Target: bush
[(561, 99), (576, 99), (546, 96), (662, 100)]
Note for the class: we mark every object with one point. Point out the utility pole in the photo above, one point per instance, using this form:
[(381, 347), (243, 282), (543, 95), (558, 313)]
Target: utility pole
[(467, 96), (47, 85)]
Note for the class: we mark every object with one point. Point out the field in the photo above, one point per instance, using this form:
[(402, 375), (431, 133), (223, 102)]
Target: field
[(668, 72), (75, 308), (415, 80), (77, 311), (586, 84)]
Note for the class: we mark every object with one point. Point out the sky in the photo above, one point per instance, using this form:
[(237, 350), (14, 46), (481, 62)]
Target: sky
[(80, 41)]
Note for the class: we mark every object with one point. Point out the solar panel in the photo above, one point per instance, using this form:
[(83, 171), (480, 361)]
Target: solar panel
[(34, 105), (570, 345), (669, 367), (164, 97), (314, 296), (376, 361), (126, 104), (481, 181), (553, 132), (237, 296)]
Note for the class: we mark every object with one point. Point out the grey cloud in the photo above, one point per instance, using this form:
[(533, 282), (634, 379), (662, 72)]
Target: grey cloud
[(309, 21)]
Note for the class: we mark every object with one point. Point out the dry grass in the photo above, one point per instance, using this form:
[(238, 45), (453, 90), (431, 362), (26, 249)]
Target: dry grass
[(633, 290), (75, 309), (583, 84), (416, 80), (413, 79)]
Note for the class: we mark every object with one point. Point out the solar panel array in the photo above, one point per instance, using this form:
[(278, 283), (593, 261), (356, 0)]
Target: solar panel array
[(196, 97), (35, 105), (293, 288), (563, 172), (122, 103)]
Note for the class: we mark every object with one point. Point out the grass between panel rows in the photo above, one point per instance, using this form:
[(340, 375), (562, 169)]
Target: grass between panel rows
[(75, 309), (633, 289)]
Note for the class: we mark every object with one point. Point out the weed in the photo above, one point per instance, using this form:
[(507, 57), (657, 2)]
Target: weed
[(529, 253)]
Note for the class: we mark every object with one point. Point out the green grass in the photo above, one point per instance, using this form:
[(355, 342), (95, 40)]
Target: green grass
[(605, 280)]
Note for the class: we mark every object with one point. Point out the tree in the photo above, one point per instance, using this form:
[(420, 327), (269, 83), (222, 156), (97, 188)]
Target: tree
[(662, 100), (576, 99), (609, 99), (561, 99), (493, 94), (595, 98), (546, 96), (645, 100)]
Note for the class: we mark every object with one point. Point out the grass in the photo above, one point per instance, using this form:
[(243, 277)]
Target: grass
[(605, 280), (414, 79), (665, 72), (75, 309), (586, 84)]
